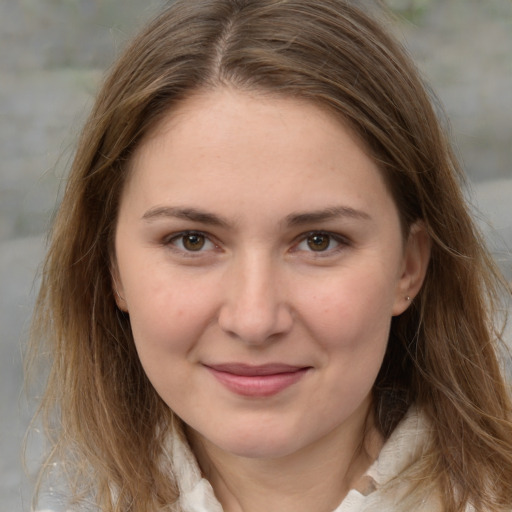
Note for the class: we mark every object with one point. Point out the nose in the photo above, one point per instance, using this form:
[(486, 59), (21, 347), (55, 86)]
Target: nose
[(255, 309)]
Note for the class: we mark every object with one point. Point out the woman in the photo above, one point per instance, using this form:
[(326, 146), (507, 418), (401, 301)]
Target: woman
[(264, 290)]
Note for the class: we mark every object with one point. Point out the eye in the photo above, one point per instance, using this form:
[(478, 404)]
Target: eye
[(318, 242), (321, 242), (191, 241)]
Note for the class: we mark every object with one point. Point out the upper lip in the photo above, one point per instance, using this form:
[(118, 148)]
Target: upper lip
[(255, 370)]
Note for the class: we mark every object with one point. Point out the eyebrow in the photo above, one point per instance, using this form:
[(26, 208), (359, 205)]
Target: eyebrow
[(292, 220), (192, 214), (333, 213)]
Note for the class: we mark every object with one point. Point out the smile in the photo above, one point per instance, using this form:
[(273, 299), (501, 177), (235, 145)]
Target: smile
[(257, 381)]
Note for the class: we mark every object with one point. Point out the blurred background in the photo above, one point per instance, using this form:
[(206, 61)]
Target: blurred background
[(53, 54)]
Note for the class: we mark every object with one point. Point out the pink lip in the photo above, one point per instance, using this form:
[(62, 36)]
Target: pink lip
[(257, 381)]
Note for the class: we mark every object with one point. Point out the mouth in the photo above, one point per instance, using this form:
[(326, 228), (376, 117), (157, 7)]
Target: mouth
[(258, 380)]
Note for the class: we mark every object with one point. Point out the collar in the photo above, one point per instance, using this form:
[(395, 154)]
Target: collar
[(402, 448)]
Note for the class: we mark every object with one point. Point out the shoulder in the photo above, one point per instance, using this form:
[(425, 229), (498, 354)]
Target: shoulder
[(396, 469), (402, 464), (404, 448)]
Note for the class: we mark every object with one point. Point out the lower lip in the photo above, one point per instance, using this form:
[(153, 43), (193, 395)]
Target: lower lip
[(258, 385)]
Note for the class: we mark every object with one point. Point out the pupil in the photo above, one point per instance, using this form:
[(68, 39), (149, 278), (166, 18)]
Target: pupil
[(193, 242), (318, 242)]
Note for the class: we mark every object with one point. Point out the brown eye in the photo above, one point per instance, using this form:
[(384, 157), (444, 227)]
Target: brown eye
[(193, 241), (318, 242)]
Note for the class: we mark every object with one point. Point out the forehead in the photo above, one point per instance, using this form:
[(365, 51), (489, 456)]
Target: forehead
[(228, 107), (234, 146)]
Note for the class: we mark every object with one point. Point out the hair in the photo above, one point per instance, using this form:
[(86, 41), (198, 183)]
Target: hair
[(105, 421)]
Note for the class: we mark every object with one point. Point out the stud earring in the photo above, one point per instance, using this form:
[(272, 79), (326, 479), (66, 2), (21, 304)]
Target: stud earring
[(407, 298)]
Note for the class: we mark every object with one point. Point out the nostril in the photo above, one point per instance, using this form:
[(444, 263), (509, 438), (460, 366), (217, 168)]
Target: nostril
[(255, 327)]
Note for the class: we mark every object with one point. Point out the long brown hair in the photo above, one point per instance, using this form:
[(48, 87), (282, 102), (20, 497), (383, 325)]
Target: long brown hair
[(108, 423)]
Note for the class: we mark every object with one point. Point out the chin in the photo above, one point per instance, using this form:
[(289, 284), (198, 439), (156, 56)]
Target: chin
[(259, 449), (262, 443)]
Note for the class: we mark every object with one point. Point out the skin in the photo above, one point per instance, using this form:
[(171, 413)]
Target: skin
[(296, 257)]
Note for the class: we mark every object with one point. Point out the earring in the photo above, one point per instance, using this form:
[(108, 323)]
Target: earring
[(407, 298)]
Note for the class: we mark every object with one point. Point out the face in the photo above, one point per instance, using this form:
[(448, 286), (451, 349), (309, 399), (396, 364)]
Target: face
[(260, 259)]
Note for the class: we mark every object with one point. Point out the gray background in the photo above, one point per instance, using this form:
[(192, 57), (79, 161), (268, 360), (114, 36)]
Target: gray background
[(52, 56)]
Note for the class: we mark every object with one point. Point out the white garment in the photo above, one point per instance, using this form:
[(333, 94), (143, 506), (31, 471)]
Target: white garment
[(402, 449)]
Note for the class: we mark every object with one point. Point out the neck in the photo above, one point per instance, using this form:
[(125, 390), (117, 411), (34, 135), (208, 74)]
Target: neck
[(317, 477)]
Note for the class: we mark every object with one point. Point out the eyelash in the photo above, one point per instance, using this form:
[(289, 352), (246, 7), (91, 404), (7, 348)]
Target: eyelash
[(341, 242), (171, 242)]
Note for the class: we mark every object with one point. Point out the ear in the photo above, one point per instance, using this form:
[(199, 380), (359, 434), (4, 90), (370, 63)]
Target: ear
[(117, 288), (414, 267)]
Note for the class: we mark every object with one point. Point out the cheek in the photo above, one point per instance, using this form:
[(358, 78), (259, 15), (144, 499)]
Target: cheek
[(168, 313), (351, 313), (351, 323), (168, 323)]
